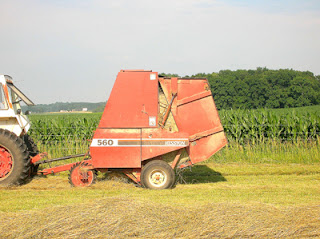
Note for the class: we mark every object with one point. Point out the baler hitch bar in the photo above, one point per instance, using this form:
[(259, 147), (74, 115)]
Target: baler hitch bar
[(59, 159)]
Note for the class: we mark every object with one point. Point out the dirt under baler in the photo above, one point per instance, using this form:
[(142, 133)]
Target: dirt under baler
[(151, 125)]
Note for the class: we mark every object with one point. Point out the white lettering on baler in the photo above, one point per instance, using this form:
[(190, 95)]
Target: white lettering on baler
[(145, 142), (175, 143)]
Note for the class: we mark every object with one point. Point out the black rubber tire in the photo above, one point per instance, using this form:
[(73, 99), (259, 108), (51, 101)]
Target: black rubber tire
[(33, 151), (157, 166), (31, 145), (20, 156)]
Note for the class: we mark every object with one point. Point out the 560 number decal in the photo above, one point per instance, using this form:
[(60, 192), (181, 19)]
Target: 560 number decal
[(105, 142)]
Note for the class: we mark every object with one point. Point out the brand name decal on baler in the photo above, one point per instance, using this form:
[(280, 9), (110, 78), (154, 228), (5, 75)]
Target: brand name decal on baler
[(137, 142)]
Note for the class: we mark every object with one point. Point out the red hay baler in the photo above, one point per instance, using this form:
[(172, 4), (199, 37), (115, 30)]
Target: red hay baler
[(151, 125)]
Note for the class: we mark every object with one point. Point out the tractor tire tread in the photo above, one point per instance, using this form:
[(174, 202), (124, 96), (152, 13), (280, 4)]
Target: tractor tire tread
[(33, 151), (20, 156), (31, 145)]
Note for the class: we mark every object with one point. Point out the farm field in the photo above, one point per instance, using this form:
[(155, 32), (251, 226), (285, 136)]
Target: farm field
[(240, 125), (264, 184), (216, 200), (255, 136)]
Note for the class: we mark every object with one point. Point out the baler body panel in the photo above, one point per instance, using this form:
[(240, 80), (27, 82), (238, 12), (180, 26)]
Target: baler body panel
[(133, 102), (129, 132), (116, 148), (205, 147), (195, 113), (157, 142), (126, 148)]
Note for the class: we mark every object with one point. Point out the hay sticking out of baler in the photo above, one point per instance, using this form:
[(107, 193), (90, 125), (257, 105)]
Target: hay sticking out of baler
[(170, 124), (163, 105)]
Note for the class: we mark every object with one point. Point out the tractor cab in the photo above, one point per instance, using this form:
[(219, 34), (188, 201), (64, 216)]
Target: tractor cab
[(11, 116)]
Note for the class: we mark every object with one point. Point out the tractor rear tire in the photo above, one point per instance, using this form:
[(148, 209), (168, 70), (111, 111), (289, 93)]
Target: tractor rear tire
[(157, 174), (14, 159), (31, 145), (33, 151)]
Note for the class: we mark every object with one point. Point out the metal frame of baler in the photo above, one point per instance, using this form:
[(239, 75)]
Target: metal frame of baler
[(129, 172), (37, 160), (199, 144)]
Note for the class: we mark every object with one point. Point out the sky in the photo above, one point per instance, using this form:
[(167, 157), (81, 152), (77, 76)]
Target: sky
[(71, 51)]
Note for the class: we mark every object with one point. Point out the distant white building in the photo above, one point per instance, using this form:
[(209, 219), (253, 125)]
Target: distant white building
[(85, 109)]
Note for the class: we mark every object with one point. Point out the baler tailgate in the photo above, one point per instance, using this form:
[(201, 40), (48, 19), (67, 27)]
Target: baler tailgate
[(195, 112)]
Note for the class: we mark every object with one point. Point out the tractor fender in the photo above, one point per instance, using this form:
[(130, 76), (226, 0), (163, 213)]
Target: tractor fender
[(11, 124)]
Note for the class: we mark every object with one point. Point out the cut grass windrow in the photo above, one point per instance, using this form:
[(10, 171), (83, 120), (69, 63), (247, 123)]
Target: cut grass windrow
[(218, 200)]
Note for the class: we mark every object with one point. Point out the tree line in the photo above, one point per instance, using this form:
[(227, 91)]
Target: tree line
[(246, 89), (65, 106), (263, 88)]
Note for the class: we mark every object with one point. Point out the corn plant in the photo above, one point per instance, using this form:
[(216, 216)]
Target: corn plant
[(241, 126)]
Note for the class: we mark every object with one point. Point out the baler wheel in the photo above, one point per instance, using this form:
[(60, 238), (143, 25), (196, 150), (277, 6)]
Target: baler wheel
[(81, 176), (157, 174), (14, 159)]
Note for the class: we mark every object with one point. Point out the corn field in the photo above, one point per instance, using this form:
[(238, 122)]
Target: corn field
[(63, 134), (260, 125), (241, 126), (63, 127)]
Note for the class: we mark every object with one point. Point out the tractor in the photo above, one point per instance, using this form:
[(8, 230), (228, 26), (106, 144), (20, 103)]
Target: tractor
[(16, 146), (151, 125)]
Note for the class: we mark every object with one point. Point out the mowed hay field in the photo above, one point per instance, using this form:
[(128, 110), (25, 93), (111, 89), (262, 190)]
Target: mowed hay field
[(216, 201), (265, 184)]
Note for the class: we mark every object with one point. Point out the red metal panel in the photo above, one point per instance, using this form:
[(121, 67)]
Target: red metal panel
[(110, 148), (196, 114), (156, 142), (190, 87), (133, 102), (205, 147), (174, 85), (193, 97)]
